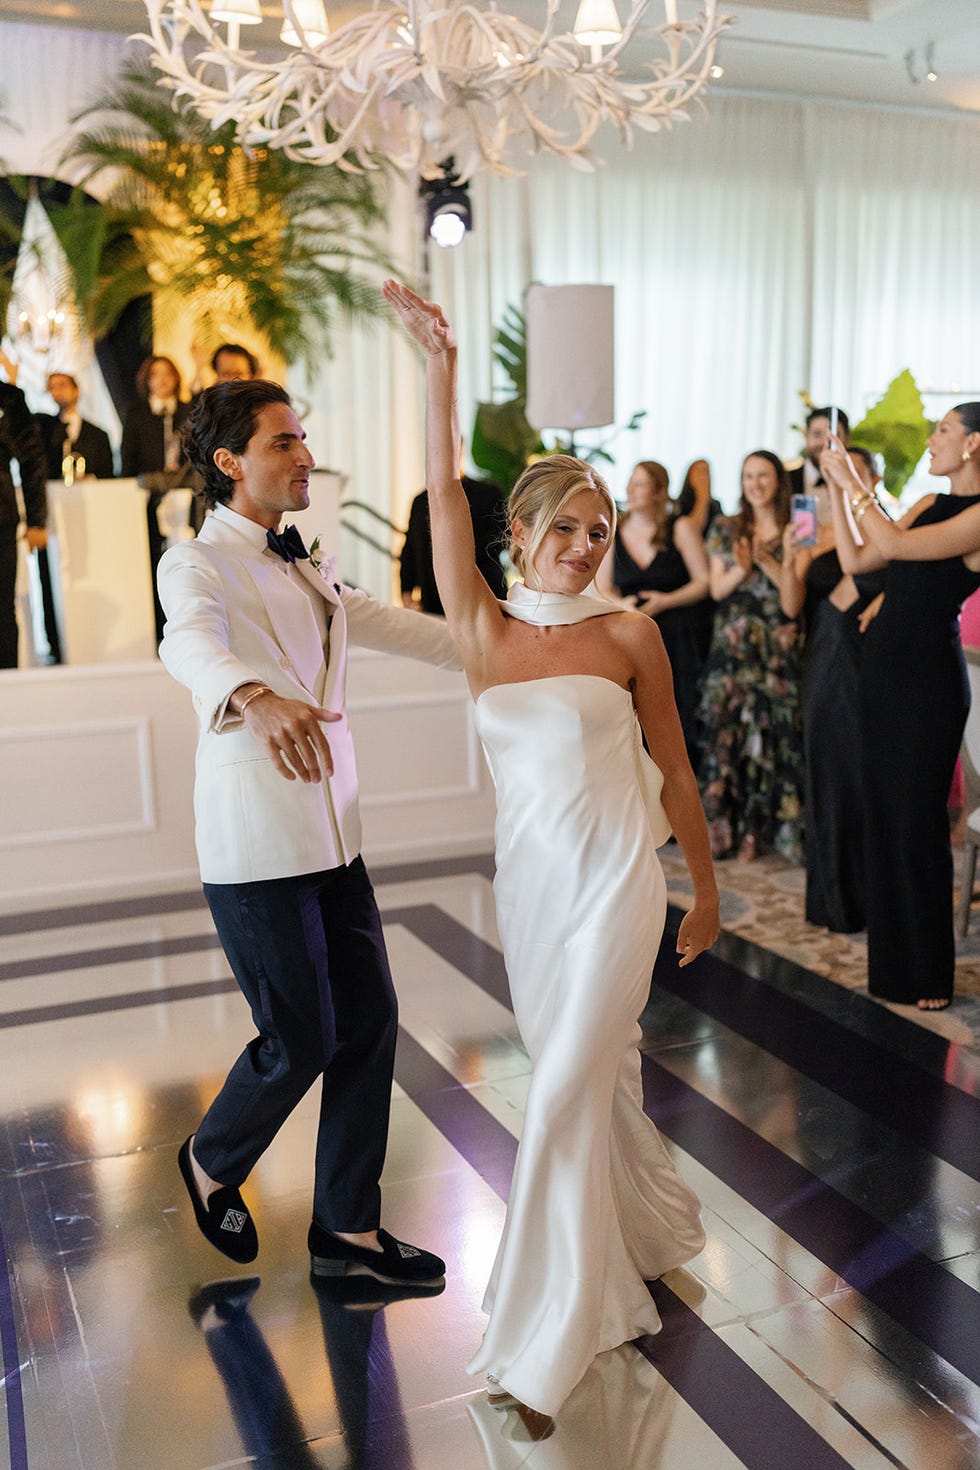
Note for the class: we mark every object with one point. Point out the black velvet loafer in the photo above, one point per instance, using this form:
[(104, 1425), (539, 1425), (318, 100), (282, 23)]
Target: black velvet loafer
[(224, 1220), (396, 1263)]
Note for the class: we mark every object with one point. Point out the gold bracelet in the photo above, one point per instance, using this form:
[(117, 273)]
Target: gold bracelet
[(863, 509), (255, 694)]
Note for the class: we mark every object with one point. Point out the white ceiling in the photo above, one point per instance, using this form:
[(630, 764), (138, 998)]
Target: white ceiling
[(850, 50)]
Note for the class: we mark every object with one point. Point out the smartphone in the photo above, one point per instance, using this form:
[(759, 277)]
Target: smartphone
[(803, 513), (833, 423)]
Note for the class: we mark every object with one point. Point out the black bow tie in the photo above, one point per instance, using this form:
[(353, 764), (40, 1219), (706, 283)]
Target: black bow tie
[(819, 481), (288, 545)]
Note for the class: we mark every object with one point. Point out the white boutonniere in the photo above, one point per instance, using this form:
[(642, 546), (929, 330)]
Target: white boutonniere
[(325, 565)]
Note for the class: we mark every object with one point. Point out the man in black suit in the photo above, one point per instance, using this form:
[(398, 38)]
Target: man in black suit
[(806, 478), (66, 432), (20, 440), (488, 512)]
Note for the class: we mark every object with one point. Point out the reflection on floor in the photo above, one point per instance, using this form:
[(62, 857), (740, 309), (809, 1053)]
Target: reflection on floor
[(831, 1320)]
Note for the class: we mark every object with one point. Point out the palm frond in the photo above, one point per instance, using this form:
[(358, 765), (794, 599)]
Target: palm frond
[(213, 232)]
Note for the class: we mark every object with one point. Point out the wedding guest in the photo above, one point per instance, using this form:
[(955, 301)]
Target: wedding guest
[(914, 703), (230, 363), (834, 604), (487, 503), (151, 447), (695, 499), (659, 566), (20, 440), (66, 433), (751, 772)]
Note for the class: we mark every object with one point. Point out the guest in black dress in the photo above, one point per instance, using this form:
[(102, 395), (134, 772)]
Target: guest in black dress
[(914, 703), (659, 565), (697, 502), (151, 444), (696, 499), (834, 605)]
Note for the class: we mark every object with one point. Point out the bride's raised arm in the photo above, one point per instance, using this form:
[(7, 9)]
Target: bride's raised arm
[(472, 611)]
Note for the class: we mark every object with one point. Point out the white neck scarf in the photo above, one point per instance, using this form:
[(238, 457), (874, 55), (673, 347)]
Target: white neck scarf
[(550, 609)]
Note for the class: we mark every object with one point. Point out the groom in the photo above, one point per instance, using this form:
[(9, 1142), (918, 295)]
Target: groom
[(259, 636)]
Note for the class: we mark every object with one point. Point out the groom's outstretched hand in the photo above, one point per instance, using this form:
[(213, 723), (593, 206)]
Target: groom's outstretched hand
[(292, 733), (423, 320)]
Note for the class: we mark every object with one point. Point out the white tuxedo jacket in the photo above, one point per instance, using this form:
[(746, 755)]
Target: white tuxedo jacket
[(233, 618)]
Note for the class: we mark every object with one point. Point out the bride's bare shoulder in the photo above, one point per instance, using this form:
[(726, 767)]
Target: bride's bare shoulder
[(635, 634)]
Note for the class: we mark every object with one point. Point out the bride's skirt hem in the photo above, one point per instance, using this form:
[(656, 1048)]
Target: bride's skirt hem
[(532, 1396)]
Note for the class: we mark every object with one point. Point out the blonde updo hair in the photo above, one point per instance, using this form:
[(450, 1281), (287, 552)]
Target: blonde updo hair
[(539, 497)]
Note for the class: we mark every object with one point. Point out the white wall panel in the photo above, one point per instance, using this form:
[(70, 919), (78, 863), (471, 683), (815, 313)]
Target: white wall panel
[(97, 771)]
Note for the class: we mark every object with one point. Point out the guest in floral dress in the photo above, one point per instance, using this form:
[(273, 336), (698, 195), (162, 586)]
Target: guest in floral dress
[(751, 771)]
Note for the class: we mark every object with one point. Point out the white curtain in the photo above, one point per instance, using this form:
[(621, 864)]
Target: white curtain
[(47, 75), (761, 248)]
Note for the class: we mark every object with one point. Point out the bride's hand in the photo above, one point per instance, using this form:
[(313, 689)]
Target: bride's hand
[(422, 319), (698, 931)]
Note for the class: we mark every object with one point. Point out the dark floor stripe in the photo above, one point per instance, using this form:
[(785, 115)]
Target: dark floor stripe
[(118, 954), (729, 1396), (105, 1003), (896, 1034), (105, 912), (919, 1294), (457, 945), (10, 1357), (485, 1144), (751, 1419), (917, 1104)]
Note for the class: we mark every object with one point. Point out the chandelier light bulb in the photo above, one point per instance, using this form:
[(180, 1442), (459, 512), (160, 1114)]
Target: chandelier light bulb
[(237, 12), (311, 18), (597, 23)]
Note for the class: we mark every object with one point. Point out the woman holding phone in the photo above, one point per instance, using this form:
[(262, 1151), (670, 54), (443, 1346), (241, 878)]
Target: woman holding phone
[(914, 703), (751, 770)]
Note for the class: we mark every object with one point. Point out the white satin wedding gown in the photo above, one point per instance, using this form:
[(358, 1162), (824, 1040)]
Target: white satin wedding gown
[(596, 1207)]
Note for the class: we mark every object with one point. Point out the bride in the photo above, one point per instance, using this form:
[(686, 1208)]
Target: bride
[(563, 685)]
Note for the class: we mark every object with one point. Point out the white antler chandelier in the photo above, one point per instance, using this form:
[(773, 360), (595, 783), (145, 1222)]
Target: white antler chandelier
[(415, 83)]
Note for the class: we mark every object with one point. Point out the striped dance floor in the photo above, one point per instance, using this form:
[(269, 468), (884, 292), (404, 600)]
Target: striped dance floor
[(832, 1320)]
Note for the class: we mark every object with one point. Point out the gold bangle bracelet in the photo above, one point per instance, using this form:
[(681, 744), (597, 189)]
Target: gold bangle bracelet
[(255, 694)]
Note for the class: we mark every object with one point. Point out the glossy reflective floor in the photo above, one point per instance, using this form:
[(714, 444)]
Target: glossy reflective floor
[(832, 1320)]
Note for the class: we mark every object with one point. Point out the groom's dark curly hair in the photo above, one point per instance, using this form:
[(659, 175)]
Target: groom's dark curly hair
[(225, 417)]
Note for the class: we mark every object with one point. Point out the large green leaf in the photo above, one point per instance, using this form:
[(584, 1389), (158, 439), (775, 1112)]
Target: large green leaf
[(897, 429), (503, 441)]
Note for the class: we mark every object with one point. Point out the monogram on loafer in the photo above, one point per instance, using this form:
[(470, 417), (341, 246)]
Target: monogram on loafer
[(223, 1219), (396, 1263)]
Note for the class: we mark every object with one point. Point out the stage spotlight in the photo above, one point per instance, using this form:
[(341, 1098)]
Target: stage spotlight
[(448, 211)]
